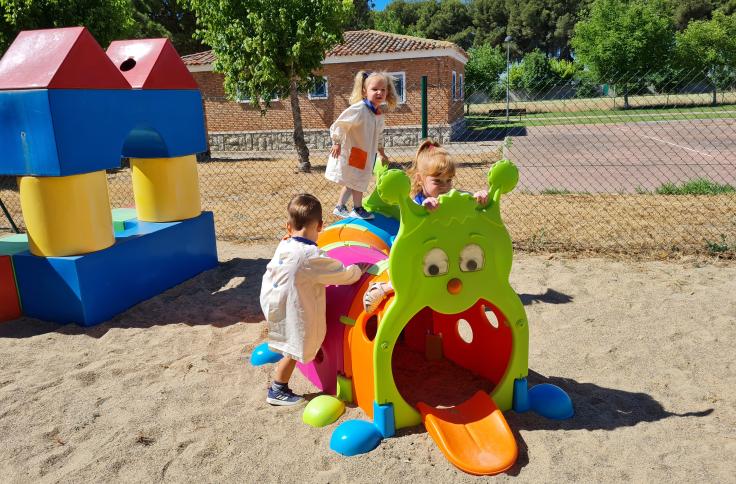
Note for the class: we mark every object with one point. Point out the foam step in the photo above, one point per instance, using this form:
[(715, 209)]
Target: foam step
[(9, 302), (146, 259)]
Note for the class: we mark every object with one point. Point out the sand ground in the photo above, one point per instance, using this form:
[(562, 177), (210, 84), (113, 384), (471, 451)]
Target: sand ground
[(164, 392)]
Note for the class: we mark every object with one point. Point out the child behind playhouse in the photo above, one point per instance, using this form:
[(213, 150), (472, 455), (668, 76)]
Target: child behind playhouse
[(293, 294), (431, 174), (357, 135)]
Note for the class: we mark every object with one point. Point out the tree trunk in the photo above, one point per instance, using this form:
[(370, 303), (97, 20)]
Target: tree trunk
[(299, 143), (715, 95), (626, 97)]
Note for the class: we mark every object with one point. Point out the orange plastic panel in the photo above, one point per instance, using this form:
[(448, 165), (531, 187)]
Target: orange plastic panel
[(68, 58), (474, 435), (344, 232)]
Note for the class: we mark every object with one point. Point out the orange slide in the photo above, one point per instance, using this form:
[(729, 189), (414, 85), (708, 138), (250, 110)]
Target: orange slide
[(474, 435)]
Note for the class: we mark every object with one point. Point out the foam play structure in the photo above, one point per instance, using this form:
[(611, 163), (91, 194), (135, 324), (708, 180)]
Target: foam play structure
[(68, 112), (452, 305)]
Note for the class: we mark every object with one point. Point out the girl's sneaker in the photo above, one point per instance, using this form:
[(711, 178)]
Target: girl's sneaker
[(361, 213), (341, 211), (283, 396)]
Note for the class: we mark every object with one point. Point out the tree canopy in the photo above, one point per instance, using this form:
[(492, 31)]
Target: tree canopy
[(107, 21), (267, 48), (622, 41), (707, 49)]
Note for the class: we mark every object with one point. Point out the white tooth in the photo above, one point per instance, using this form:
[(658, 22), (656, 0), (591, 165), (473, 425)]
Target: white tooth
[(465, 331), (491, 317)]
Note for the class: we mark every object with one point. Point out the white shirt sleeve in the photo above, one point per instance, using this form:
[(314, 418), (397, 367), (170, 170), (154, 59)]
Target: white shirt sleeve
[(347, 119), (327, 270)]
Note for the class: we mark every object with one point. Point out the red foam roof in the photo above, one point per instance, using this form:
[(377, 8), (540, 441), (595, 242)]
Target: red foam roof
[(67, 58), (150, 64)]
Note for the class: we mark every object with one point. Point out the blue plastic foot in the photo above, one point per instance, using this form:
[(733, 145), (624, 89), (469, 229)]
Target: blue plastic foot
[(550, 401), (521, 395), (383, 419), (262, 355), (355, 437)]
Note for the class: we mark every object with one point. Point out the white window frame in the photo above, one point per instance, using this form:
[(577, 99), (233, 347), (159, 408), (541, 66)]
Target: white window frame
[(402, 75), (461, 86), (454, 85), (243, 100), (327, 91)]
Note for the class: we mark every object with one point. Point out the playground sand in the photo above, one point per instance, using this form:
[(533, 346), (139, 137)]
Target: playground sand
[(164, 392)]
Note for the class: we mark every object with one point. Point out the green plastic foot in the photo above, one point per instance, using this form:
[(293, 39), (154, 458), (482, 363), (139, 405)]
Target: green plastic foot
[(345, 389)]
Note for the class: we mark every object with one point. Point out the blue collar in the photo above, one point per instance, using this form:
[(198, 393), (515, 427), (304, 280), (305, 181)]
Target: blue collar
[(303, 240), (370, 105), (419, 198)]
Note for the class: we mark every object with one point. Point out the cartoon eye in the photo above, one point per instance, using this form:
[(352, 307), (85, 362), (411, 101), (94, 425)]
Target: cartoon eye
[(471, 258), (435, 262)]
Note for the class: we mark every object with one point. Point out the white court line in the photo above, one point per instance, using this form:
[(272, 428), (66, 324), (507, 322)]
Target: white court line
[(672, 144)]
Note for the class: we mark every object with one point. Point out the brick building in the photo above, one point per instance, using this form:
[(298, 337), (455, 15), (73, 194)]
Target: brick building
[(239, 125)]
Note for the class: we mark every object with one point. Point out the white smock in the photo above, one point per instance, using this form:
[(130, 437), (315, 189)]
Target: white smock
[(360, 134), (293, 297)]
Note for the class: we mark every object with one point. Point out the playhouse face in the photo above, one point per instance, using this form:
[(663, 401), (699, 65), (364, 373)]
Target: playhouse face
[(450, 269)]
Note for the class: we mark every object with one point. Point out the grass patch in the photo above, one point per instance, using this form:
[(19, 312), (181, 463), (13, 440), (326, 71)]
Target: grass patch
[(718, 248), (556, 191), (601, 116), (699, 186)]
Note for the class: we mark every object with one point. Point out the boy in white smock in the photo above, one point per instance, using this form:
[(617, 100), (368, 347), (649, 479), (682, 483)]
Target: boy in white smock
[(293, 294)]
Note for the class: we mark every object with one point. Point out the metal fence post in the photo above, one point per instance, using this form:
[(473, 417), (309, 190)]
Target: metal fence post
[(424, 107)]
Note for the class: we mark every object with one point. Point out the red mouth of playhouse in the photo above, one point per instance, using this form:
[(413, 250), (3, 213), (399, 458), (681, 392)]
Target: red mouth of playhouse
[(444, 359)]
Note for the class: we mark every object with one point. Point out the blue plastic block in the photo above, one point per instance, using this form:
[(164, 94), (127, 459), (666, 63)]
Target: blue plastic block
[(145, 261), (383, 419), (550, 401), (124, 218), (263, 355), (355, 437), (13, 244), (521, 395), (63, 132)]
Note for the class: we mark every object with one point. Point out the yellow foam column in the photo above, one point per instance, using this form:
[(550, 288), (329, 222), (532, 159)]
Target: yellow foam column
[(66, 215), (166, 189)]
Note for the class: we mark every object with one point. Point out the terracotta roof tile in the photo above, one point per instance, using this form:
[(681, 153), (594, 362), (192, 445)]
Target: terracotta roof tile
[(358, 42), (363, 42), (198, 59)]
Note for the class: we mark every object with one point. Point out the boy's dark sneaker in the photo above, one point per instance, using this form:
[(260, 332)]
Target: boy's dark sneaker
[(283, 396), (360, 212)]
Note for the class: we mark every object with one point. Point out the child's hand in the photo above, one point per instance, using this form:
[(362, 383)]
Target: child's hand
[(364, 266), (431, 203), (481, 197), (335, 151)]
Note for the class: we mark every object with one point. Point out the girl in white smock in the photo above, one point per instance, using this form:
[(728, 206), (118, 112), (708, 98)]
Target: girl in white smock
[(357, 135)]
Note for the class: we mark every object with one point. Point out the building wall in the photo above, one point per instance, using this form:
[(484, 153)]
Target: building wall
[(225, 116)]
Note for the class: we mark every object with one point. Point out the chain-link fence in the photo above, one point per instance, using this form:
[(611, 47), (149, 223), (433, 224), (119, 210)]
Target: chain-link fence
[(645, 166)]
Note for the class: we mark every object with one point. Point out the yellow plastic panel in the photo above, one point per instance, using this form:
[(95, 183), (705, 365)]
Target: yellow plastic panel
[(66, 215), (166, 189)]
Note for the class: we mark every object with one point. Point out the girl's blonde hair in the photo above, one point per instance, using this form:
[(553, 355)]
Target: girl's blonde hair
[(431, 160), (362, 77)]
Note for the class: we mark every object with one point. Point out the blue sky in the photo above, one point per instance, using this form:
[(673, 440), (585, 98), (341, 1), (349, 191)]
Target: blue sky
[(380, 4)]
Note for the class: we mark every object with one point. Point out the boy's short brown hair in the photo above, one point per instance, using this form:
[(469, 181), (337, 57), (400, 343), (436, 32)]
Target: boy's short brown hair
[(304, 209)]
